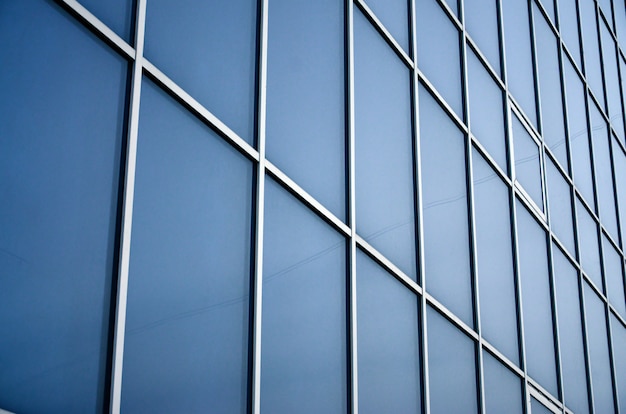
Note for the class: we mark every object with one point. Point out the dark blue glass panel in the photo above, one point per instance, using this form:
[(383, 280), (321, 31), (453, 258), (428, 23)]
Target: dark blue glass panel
[(495, 259), (384, 153), (62, 111), (117, 14), (481, 21), (598, 352), (619, 162), (503, 389), (588, 245), (570, 333), (305, 97), (452, 370), (486, 110), (187, 320), (604, 171), (578, 138), (536, 301), (560, 206), (303, 362), (527, 162), (553, 121), (611, 78), (619, 354), (388, 341), (568, 24), (438, 52), (519, 59), (444, 190), (614, 276), (209, 49), (593, 70), (394, 15)]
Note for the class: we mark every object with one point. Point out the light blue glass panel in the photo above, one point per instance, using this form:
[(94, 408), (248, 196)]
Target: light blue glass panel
[(303, 361), (614, 276), (611, 79), (444, 190), (552, 121), (568, 22), (536, 301), (605, 6), (578, 138), (496, 280), (481, 21), (604, 171), (452, 369), (527, 162), (537, 408), (438, 52), (394, 15), (486, 110), (305, 97), (548, 5), (622, 68), (208, 48), (519, 59), (618, 332), (388, 342), (620, 23), (593, 71), (186, 343), (598, 352), (117, 14), (619, 162), (62, 117), (560, 206), (384, 153), (569, 314), (503, 389), (588, 245)]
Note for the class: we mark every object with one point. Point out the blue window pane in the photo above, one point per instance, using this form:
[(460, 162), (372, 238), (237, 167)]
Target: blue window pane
[(384, 154), (570, 333), (495, 259), (394, 15), (519, 58), (438, 53), (486, 110), (619, 161), (305, 97), (61, 128), (527, 162), (303, 362), (619, 354), (481, 21), (537, 408), (598, 352), (208, 48), (388, 342), (553, 121), (605, 6), (560, 206), (445, 209), (568, 24), (578, 138), (622, 66), (548, 5), (604, 171), (503, 389), (593, 70), (620, 23), (452, 370), (117, 14), (536, 301), (588, 245), (611, 79), (614, 276), (187, 318)]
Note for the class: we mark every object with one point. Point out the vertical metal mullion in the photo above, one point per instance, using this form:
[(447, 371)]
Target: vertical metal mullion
[(260, 210), (127, 217)]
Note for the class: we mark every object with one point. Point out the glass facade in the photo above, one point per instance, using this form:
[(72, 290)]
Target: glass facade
[(333, 206)]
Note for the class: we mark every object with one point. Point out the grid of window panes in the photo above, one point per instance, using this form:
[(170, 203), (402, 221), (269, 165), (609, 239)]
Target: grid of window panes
[(313, 206)]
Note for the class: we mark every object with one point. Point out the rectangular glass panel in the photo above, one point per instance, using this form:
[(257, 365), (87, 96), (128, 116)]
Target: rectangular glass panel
[(527, 162), (394, 15), (591, 46), (568, 25), (503, 389), (588, 245), (611, 79), (117, 14), (560, 206), (481, 21), (614, 276), (618, 331), (619, 162)]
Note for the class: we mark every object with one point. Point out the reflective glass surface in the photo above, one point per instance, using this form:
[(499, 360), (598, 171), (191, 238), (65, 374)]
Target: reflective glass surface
[(305, 97), (560, 206), (536, 301), (452, 371), (481, 21), (614, 276), (384, 151), (568, 24), (62, 115), (611, 79), (538, 408), (388, 342), (527, 162), (588, 245), (620, 23), (496, 280), (445, 217), (438, 53), (303, 358), (618, 332), (619, 162), (486, 110), (208, 48), (117, 14), (188, 289), (503, 389), (394, 15), (593, 70)]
